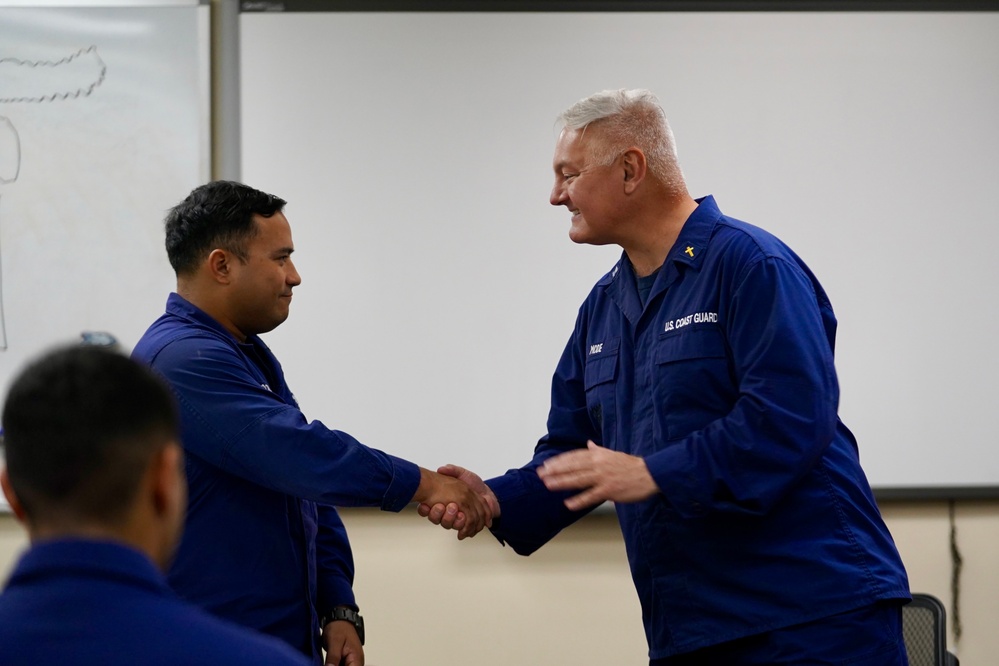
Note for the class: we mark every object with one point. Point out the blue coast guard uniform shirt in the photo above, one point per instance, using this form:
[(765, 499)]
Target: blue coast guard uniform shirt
[(263, 545), (724, 383), (101, 603)]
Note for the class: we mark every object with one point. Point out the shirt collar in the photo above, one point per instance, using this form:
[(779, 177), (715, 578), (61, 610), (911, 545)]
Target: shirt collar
[(181, 307), (90, 558), (690, 245)]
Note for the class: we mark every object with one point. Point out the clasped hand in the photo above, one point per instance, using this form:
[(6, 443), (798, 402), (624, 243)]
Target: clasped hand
[(452, 503), (449, 516), (601, 474)]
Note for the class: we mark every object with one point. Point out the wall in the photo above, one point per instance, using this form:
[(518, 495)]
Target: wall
[(415, 151), (429, 599)]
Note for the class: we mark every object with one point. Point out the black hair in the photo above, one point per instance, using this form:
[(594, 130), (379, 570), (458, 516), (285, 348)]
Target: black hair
[(80, 426), (218, 214)]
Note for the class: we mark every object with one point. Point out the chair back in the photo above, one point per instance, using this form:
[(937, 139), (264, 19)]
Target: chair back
[(924, 628)]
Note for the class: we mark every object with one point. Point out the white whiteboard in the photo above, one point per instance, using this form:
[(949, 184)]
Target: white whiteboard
[(440, 286), (104, 125)]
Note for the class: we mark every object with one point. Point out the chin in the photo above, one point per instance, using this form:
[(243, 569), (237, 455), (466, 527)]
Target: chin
[(578, 236), (583, 238)]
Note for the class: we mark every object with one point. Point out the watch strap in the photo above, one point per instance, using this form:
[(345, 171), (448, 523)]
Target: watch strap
[(345, 614)]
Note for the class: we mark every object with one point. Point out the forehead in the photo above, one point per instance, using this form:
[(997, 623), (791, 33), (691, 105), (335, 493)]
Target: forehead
[(272, 232), (570, 149), (574, 148)]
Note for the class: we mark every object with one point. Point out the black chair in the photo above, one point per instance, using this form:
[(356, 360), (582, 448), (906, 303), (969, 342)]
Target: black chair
[(924, 627)]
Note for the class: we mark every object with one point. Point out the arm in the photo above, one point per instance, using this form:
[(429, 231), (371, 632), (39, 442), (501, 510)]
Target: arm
[(335, 580), (234, 422)]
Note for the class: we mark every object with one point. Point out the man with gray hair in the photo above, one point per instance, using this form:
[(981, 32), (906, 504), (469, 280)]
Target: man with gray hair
[(698, 393)]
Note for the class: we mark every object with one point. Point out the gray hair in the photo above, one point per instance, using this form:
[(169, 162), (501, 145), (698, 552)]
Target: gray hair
[(628, 118)]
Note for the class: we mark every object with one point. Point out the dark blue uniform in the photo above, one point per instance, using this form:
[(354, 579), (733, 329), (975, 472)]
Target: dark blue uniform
[(262, 545), (723, 381), (96, 603)]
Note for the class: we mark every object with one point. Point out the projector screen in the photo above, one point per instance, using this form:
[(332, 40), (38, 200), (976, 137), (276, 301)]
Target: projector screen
[(440, 286)]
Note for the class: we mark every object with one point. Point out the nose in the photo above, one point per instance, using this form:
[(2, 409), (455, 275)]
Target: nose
[(557, 197), (292, 277)]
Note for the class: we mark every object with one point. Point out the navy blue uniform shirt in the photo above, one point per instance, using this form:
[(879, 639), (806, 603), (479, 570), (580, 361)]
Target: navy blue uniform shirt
[(262, 545), (99, 603), (724, 383)]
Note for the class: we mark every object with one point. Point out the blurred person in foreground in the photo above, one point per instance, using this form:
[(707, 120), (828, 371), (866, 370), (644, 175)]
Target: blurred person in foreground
[(94, 470)]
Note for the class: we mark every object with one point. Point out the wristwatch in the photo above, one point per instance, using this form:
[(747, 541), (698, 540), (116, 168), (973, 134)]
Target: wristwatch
[(346, 615)]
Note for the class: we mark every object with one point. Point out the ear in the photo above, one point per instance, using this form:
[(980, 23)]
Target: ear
[(8, 492), (168, 481), (635, 169), (219, 265)]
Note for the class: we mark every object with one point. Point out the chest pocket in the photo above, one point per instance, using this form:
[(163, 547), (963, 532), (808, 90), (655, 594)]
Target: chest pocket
[(601, 363), (599, 375), (693, 384), (690, 344)]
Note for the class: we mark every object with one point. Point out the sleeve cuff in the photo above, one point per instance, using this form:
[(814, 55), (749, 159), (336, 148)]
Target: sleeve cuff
[(405, 481), (335, 591)]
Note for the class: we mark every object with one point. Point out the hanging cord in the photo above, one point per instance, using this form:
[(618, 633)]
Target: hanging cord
[(956, 562)]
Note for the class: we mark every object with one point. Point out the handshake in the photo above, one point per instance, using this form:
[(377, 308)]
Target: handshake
[(456, 499)]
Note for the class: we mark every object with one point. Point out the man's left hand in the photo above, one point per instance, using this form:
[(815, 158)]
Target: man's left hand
[(603, 475), (343, 645)]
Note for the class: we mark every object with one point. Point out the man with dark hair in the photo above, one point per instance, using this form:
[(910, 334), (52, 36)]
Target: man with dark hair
[(263, 544), (94, 471)]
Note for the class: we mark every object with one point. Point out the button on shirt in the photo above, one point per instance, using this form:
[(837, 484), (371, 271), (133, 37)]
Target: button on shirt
[(724, 383), (262, 545)]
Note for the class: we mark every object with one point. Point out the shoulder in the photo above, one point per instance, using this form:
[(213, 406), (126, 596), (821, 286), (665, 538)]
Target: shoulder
[(169, 344), (738, 250), (740, 238), (178, 335)]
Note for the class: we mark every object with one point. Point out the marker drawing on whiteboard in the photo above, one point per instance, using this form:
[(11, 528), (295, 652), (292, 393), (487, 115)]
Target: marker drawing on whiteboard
[(36, 82)]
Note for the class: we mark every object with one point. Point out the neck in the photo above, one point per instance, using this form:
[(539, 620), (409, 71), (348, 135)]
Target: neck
[(140, 539), (203, 299), (656, 233)]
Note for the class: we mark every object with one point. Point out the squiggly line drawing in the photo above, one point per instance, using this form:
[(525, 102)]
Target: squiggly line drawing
[(23, 76), (43, 64)]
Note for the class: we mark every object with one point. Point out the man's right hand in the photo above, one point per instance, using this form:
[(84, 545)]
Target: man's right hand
[(458, 505), (447, 516)]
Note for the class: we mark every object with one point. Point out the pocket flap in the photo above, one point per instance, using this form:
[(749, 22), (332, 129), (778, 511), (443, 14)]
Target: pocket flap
[(601, 362), (691, 343)]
